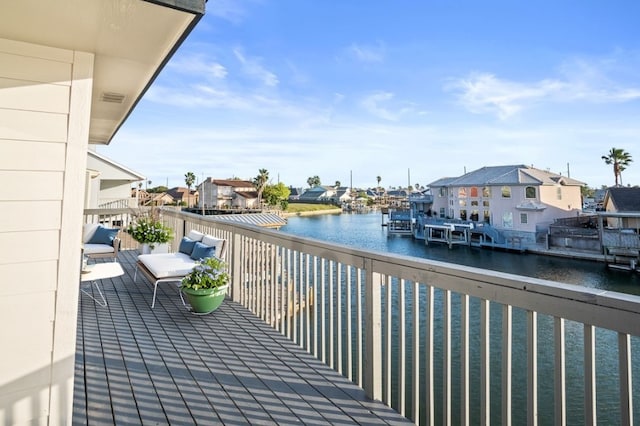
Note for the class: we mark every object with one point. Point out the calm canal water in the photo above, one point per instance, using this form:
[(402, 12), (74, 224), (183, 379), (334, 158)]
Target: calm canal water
[(365, 231)]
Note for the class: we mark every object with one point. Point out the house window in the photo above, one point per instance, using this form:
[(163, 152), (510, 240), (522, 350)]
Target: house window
[(485, 203), (475, 214), (486, 192), (442, 192), (474, 203), (523, 218), (463, 214), (559, 192), (441, 211), (473, 192), (506, 192), (530, 192), (462, 192), (487, 216), (507, 220), (463, 203)]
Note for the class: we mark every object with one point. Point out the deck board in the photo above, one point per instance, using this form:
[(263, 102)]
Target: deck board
[(137, 365)]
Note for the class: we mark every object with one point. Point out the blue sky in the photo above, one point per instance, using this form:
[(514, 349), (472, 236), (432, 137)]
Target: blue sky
[(410, 91)]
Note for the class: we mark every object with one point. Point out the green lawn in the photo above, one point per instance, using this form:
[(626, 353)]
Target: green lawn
[(302, 207)]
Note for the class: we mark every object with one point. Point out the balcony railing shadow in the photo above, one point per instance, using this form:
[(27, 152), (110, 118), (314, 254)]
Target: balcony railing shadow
[(137, 365)]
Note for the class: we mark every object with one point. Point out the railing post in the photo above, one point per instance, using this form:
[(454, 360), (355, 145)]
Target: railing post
[(373, 335), (236, 266)]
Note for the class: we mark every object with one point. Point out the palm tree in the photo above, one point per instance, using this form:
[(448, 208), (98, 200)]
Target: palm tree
[(620, 159), (260, 182), (337, 185), (189, 180)]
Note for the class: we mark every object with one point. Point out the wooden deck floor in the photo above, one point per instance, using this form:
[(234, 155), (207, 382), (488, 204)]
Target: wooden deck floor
[(135, 365)]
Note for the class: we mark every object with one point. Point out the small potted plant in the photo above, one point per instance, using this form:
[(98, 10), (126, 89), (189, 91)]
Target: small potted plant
[(150, 232), (206, 285)]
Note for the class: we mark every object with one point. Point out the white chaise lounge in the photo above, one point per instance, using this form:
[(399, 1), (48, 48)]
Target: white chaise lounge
[(172, 267)]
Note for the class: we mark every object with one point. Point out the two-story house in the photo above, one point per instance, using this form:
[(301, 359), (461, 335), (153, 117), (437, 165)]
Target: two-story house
[(228, 193), (517, 200)]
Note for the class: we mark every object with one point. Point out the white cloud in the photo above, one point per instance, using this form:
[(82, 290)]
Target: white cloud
[(253, 68), (367, 53), (229, 10), (483, 92), (581, 80), (373, 104), (198, 65)]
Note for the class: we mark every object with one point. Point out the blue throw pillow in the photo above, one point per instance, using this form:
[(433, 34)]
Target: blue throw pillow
[(201, 251), (186, 246), (104, 235)]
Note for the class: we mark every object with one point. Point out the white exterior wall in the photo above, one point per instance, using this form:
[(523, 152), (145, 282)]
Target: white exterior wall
[(45, 96), (439, 202)]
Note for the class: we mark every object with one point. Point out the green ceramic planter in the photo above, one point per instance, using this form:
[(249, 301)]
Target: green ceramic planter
[(205, 301)]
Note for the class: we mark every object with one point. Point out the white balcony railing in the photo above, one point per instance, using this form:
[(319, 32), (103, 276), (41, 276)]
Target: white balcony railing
[(440, 343)]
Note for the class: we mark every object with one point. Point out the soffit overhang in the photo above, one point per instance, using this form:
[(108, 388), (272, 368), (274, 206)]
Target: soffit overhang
[(132, 40)]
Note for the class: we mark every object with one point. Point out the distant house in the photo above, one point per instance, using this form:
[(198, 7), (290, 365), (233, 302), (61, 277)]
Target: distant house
[(159, 199), (294, 193), (227, 193), (318, 194), (343, 194), (108, 184), (517, 199), (184, 196), (625, 201)]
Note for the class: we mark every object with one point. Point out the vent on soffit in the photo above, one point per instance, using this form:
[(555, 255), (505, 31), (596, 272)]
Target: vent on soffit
[(113, 97)]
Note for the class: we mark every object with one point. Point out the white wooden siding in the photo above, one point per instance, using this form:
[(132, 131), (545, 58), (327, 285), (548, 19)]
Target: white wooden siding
[(45, 103)]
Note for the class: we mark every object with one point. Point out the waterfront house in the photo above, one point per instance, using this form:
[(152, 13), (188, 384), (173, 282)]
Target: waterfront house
[(109, 183), (343, 194), (318, 194), (227, 194), (71, 73), (516, 200), (294, 193), (624, 200)]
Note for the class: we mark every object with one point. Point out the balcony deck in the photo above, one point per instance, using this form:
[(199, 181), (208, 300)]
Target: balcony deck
[(135, 365)]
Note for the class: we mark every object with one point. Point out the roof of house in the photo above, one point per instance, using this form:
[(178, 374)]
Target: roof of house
[(109, 169), (179, 192), (235, 183), (507, 175), (315, 192), (624, 199), (294, 191), (248, 194)]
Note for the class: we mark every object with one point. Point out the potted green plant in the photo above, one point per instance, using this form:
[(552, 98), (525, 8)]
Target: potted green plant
[(206, 285), (150, 232)]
